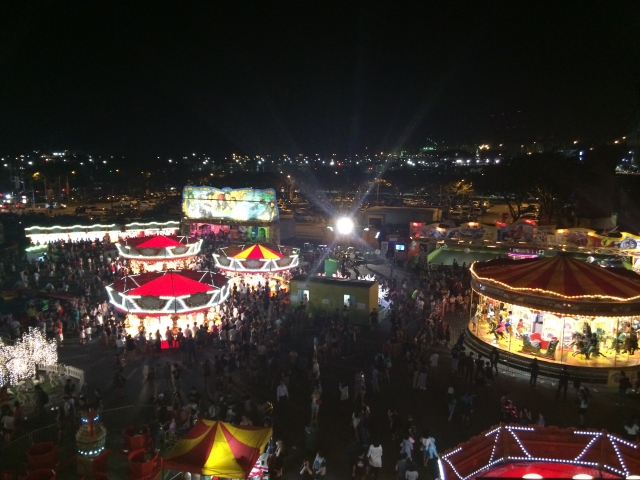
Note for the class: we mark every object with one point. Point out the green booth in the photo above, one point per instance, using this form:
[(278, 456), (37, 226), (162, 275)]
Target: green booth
[(329, 294)]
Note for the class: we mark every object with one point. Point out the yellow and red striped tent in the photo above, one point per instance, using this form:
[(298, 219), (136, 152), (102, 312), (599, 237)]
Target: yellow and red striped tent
[(258, 252), (218, 449)]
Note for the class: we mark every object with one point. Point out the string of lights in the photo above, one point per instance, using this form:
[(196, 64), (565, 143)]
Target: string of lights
[(18, 361)]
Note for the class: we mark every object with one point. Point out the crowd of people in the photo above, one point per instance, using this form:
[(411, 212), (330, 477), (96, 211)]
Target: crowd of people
[(254, 366)]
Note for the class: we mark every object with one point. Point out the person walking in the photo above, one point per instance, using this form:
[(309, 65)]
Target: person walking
[(563, 383), (624, 384), (319, 466), (534, 368), (359, 467), (494, 357), (451, 402), (282, 394), (316, 401), (375, 458), (583, 403)]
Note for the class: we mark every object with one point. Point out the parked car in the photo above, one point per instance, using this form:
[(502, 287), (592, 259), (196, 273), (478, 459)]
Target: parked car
[(97, 211), (81, 210)]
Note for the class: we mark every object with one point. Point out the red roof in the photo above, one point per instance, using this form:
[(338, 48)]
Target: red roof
[(160, 241), (561, 275), (171, 285)]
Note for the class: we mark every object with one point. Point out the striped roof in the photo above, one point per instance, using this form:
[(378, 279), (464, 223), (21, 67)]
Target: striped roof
[(258, 252), (562, 276)]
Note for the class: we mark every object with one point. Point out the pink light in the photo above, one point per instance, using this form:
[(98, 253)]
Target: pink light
[(522, 255)]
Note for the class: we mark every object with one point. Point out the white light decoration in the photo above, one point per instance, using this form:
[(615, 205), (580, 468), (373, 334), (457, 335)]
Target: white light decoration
[(621, 470), (18, 361), (344, 225), (122, 300), (74, 233), (159, 254)]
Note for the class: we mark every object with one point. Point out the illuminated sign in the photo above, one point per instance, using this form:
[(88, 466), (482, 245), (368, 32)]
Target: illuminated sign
[(243, 204)]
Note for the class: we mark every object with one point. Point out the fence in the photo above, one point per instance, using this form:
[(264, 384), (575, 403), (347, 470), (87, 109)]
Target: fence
[(63, 371)]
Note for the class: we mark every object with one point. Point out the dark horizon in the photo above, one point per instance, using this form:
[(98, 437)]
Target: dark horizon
[(163, 78)]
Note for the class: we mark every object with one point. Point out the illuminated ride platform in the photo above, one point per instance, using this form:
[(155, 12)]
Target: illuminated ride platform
[(257, 264), (532, 452), (173, 299), (560, 310), (158, 253), (256, 258)]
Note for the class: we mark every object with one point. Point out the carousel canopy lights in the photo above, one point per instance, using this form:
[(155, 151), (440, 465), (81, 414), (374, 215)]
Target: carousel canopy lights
[(166, 293), (344, 225), (561, 276), (18, 361), (158, 248), (256, 259)]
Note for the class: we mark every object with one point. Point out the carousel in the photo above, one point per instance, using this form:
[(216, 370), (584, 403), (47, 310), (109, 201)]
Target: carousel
[(158, 253), (533, 452), (255, 264), (559, 309), (173, 299)]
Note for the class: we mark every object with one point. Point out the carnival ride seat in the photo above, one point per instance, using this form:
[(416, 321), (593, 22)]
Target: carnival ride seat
[(544, 344), (530, 346), (42, 455), (144, 465), (41, 474), (136, 437), (534, 344)]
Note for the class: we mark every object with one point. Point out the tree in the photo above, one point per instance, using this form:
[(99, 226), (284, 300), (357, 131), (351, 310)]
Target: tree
[(511, 180)]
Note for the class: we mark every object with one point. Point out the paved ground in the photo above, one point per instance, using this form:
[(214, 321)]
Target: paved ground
[(428, 407)]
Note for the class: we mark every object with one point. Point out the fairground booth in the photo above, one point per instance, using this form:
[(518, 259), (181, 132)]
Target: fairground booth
[(559, 309), (532, 452), (255, 264), (219, 450), (158, 253), (329, 294), (108, 232), (236, 216), (173, 299)]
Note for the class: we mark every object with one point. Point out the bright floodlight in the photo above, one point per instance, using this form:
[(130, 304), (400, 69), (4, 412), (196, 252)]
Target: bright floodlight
[(344, 225)]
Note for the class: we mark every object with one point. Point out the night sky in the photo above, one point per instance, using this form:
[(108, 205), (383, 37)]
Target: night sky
[(159, 78)]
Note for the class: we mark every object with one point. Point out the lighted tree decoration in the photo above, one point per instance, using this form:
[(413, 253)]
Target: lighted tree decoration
[(18, 361)]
